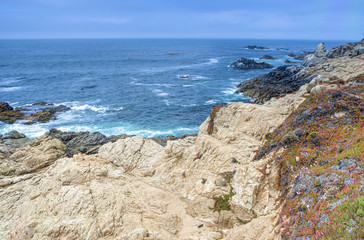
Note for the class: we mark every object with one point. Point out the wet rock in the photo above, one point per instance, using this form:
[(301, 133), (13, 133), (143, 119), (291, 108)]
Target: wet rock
[(37, 111), (255, 47), (53, 110), (244, 63), (11, 116), (41, 103), (42, 117), (14, 135), (4, 107), (268, 57)]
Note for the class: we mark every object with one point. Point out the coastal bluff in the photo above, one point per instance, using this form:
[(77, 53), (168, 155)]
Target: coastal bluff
[(228, 182)]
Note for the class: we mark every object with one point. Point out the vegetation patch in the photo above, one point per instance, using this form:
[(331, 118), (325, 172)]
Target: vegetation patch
[(320, 148), (215, 110), (223, 202)]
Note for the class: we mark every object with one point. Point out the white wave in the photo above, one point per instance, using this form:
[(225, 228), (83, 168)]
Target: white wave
[(166, 102), (210, 102), (187, 129), (189, 105), (212, 61), (33, 131), (76, 129), (90, 107), (160, 93), (229, 91), (10, 89), (8, 81), (152, 84), (186, 85)]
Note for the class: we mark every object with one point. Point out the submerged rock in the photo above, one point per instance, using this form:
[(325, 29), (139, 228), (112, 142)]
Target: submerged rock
[(268, 57), (244, 63)]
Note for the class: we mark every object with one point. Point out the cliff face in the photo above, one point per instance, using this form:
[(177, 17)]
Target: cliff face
[(231, 181), (198, 187)]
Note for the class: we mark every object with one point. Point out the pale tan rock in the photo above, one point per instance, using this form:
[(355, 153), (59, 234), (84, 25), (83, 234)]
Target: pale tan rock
[(39, 154), (132, 154), (136, 189)]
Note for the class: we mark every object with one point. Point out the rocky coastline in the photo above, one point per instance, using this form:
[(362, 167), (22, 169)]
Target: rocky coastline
[(249, 173)]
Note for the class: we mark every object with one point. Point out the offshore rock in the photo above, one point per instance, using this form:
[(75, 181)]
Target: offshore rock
[(268, 57), (38, 112), (255, 47), (244, 63)]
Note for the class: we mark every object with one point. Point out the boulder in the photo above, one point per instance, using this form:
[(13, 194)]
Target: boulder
[(244, 63), (14, 135), (4, 107)]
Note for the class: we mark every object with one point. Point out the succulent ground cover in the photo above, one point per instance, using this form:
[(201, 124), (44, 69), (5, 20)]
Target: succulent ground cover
[(320, 148)]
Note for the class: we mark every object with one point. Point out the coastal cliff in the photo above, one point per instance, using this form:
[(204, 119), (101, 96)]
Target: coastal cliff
[(248, 174)]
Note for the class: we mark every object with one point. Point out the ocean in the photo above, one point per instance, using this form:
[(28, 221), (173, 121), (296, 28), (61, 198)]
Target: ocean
[(131, 86)]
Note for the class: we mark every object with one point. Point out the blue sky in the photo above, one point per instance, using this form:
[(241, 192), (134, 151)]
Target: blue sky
[(274, 19)]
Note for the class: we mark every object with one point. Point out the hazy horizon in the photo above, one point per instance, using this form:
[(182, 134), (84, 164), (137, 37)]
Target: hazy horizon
[(231, 19)]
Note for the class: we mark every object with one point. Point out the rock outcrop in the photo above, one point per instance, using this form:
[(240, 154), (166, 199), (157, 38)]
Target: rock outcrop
[(268, 57), (196, 187), (282, 80), (255, 47), (224, 183), (244, 63), (320, 69), (38, 112)]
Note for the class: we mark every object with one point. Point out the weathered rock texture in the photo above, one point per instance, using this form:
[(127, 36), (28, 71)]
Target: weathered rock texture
[(244, 63), (323, 70), (136, 189), (208, 186)]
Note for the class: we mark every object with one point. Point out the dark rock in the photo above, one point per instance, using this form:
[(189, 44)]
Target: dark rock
[(114, 138), (79, 142), (14, 135), (278, 82), (89, 141), (244, 63), (163, 140), (11, 116), (268, 57), (53, 110), (41, 103), (255, 47), (300, 57), (42, 117), (347, 50), (288, 61), (37, 110), (282, 49), (4, 107)]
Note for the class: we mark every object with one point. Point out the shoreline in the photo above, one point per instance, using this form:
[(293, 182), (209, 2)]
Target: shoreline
[(236, 178)]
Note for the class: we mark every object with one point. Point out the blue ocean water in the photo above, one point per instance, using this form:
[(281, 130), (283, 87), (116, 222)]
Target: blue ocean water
[(131, 86)]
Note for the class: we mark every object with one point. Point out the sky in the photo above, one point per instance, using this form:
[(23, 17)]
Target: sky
[(257, 19)]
